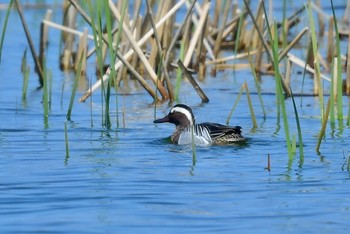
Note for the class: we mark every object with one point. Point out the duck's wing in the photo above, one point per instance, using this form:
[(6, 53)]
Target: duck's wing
[(216, 130), (201, 136)]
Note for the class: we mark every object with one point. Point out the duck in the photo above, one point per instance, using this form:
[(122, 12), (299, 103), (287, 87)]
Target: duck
[(204, 134)]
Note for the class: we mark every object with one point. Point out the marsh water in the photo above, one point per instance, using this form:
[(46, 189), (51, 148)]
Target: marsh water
[(130, 178)]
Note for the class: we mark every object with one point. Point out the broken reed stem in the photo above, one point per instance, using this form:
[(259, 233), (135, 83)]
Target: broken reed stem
[(31, 44), (193, 82), (43, 38)]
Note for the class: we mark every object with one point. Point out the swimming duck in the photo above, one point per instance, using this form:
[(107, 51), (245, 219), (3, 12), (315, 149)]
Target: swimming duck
[(204, 133)]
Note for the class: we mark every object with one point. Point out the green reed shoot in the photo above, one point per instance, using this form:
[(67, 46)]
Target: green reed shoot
[(234, 105), (74, 89), (315, 51), (46, 96), (339, 70), (250, 104), (323, 127), (4, 27), (25, 71), (179, 71), (331, 97), (97, 34), (112, 49), (300, 135)]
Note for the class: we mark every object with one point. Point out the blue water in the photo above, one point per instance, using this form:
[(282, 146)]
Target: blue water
[(130, 179)]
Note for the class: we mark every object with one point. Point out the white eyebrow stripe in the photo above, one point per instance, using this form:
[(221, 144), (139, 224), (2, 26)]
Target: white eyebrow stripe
[(183, 111)]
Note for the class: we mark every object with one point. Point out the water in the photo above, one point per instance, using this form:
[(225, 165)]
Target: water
[(131, 179)]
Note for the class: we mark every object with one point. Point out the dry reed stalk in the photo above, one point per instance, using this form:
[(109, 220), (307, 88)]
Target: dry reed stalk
[(335, 79), (137, 35), (193, 82), (347, 84), (195, 37), (232, 57), (130, 52), (301, 63), (218, 40), (69, 21), (317, 79), (66, 29), (159, 46), (330, 36), (81, 53), (44, 38), (258, 31), (323, 62), (254, 40), (237, 66), (310, 57), (217, 13), (195, 22), (38, 68), (185, 23), (155, 54), (139, 52), (321, 24), (258, 43), (288, 73), (346, 13)]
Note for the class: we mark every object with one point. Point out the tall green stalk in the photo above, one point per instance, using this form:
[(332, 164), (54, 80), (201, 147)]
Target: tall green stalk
[(74, 89), (300, 135), (278, 79), (4, 27), (317, 62), (339, 70), (179, 71)]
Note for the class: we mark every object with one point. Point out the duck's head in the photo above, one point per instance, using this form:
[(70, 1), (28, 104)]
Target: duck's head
[(180, 115)]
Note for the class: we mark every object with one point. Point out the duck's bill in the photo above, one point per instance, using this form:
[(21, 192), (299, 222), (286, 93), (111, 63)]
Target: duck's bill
[(162, 120)]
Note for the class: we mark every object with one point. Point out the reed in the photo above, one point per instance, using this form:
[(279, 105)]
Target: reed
[(38, 67), (250, 104), (338, 78), (300, 135), (46, 101), (234, 105), (316, 61), (3, 33), (25, 71), (74, 89)]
